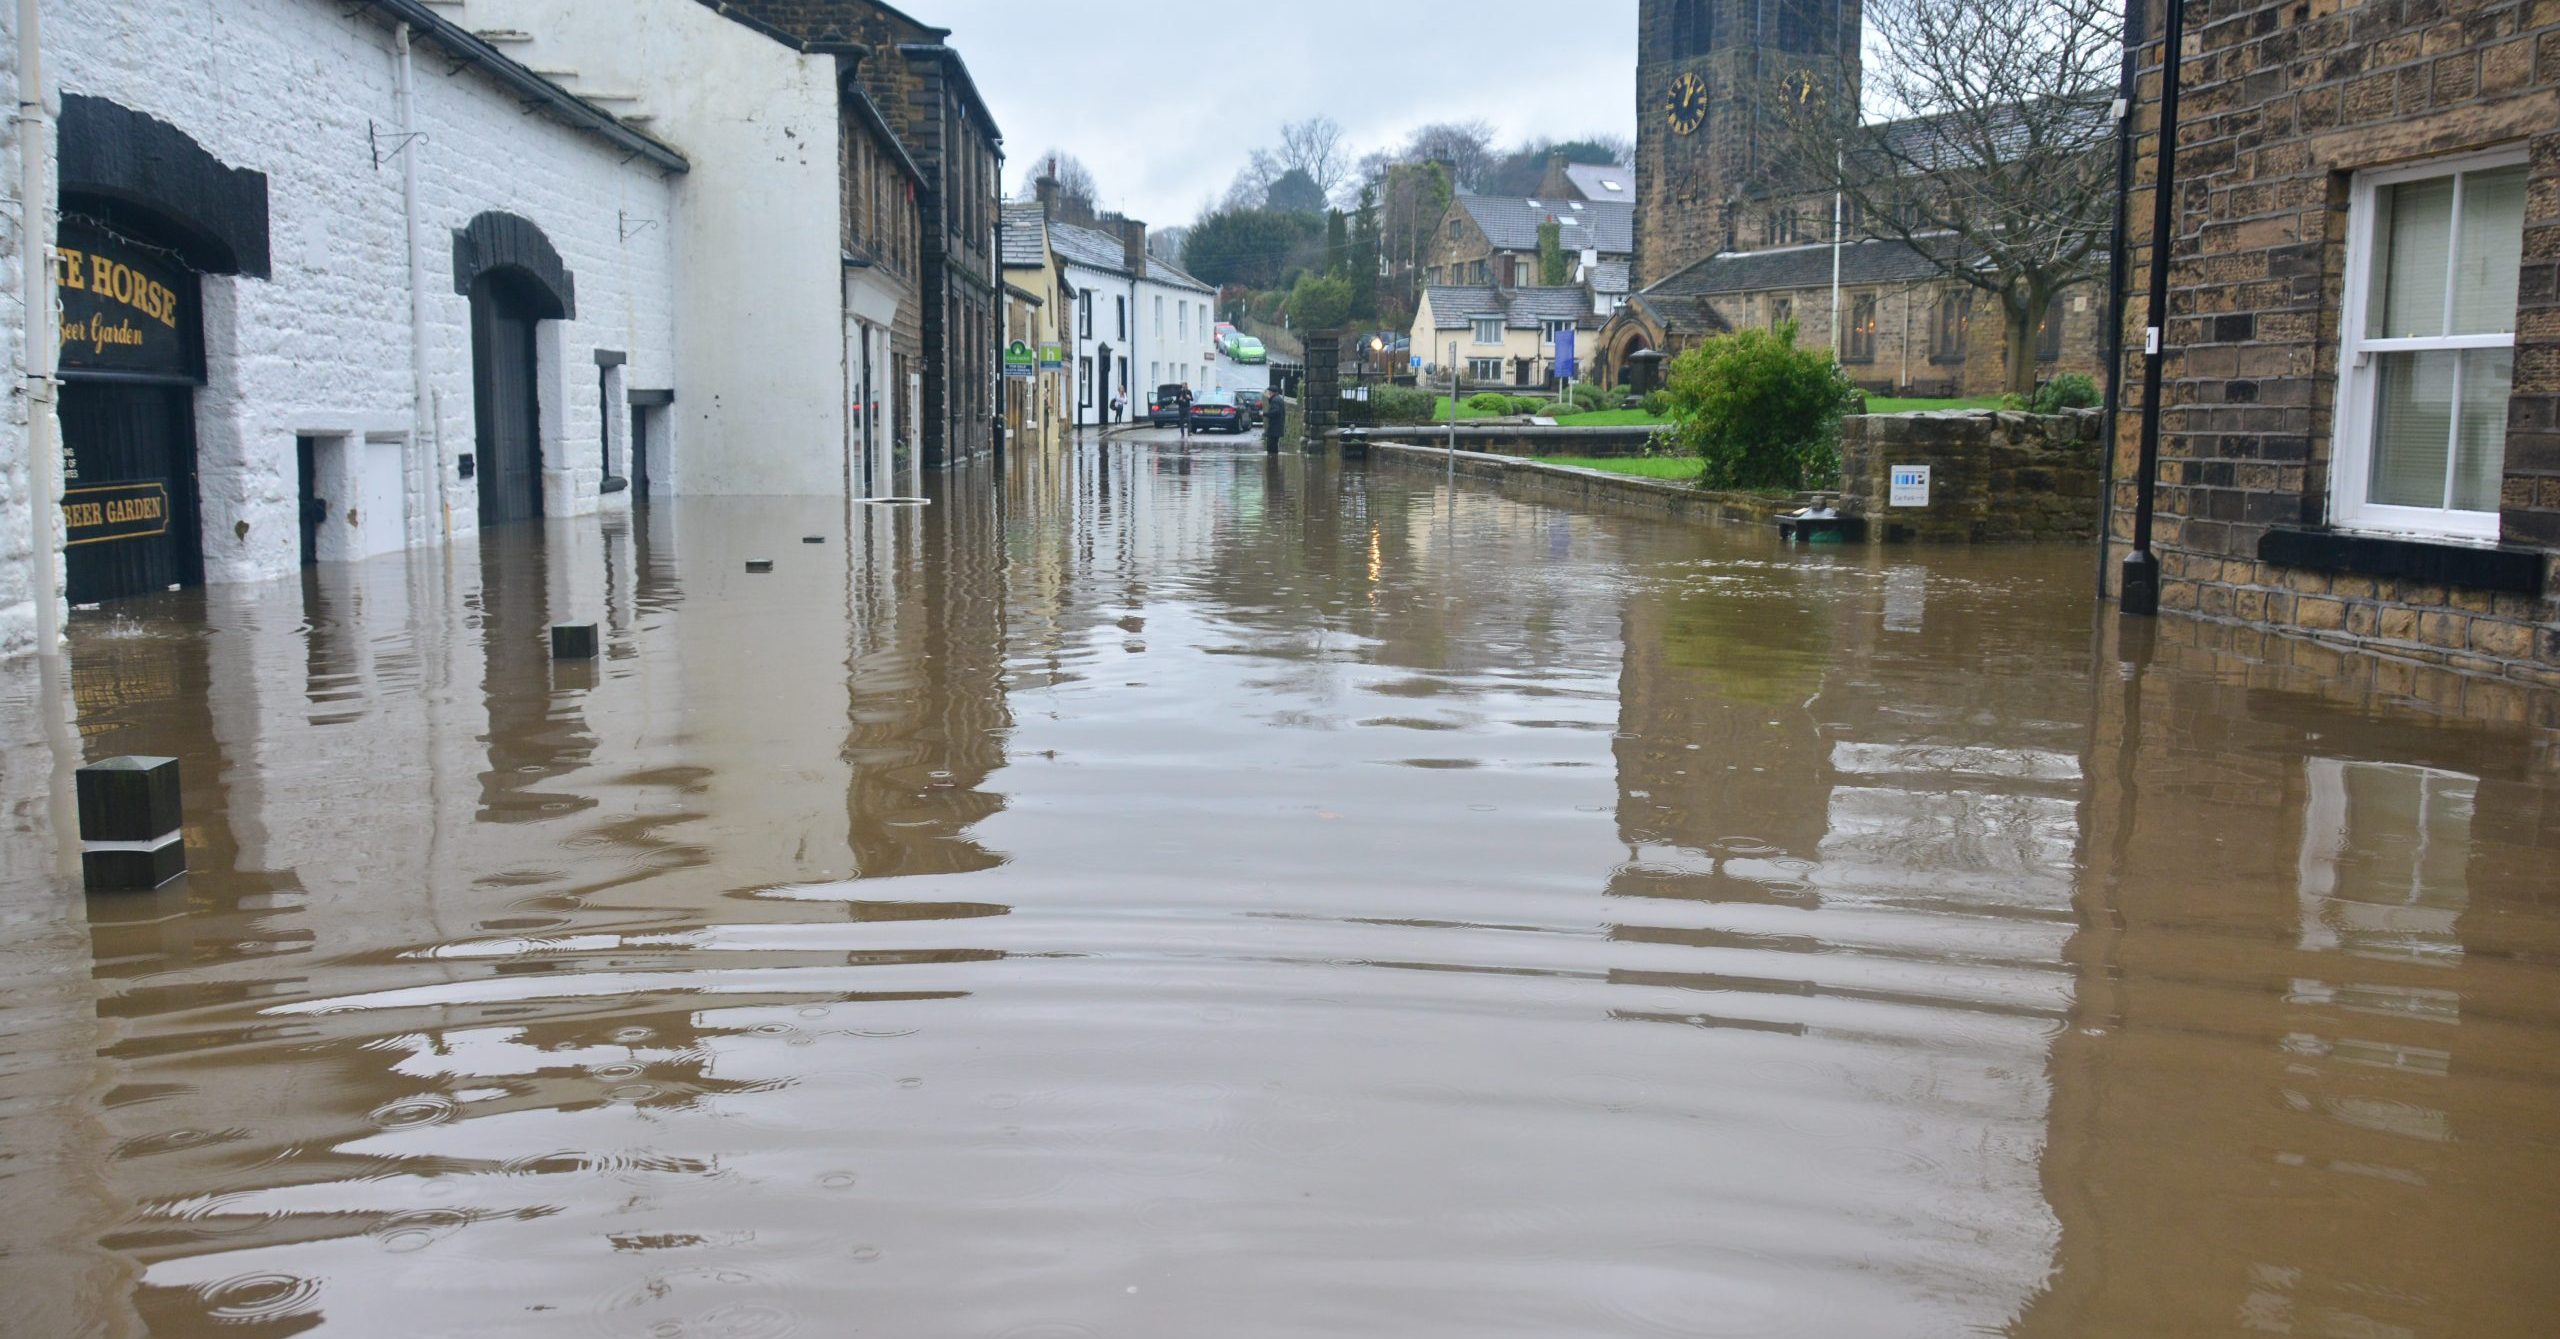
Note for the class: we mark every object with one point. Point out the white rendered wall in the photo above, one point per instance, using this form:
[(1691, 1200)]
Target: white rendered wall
[(760, 401), (287, 87)]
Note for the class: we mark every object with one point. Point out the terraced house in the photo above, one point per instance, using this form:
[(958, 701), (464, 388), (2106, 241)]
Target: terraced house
[(2359, 424)]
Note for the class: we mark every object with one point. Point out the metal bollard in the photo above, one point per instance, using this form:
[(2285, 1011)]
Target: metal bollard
[(130, 821)]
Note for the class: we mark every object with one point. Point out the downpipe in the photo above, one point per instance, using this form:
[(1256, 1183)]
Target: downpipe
[(35, 286), (426, 457)]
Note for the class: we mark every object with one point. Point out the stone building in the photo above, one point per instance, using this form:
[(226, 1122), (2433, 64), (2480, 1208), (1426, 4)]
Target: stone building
[(924, 92), (344, 282), (2360, 412), (1502, 337), (1136, 321), (1726, 238), (1489, 240), (1038, 306)]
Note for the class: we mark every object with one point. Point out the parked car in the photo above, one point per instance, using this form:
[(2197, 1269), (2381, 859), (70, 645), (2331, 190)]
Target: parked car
[(1252, 402), (1242, 348), (1166, 405), (1217, 409)]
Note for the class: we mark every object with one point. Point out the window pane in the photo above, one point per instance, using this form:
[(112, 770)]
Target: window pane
[(2413, 428), (2488, 378), (2418, 218), (2484, 275)]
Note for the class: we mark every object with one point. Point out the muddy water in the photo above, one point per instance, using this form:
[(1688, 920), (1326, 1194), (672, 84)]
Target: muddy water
[(1163, 895)]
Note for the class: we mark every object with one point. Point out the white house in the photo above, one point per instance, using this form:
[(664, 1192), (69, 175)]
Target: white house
[(345, 280), (1140, 322)]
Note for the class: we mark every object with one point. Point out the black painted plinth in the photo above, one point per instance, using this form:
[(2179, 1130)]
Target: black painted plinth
[(129, 799), (119, 870), (2140, 592), (813, 539), (573, 641), (759, 564)]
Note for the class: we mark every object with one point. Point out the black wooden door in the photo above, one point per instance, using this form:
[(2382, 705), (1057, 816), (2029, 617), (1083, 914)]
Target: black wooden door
[(130, 515), (509, 433)]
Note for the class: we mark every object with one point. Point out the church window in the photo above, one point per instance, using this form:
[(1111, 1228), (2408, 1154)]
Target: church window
[(1858, 344), (1693, 28), (1781, 311), (1949, 326)]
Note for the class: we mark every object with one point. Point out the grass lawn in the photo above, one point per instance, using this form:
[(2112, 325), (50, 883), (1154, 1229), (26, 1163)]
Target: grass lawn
[(1883, 404), (1648, 467)]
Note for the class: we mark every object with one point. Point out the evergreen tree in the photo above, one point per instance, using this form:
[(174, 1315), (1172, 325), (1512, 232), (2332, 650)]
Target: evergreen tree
[(1337, 245), (1364, 254)]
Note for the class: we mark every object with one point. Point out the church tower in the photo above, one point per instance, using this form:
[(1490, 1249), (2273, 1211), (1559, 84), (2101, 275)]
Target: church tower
[(1705, 72)]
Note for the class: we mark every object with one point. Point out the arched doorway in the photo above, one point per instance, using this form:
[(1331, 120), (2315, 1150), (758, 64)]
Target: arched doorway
[(514, 279), (506, 399)]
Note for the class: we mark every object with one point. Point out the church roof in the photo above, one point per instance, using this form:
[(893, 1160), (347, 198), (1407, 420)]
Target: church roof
[(1511, 223), (1610, 276)]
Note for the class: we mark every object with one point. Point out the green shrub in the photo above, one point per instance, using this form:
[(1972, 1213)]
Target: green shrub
[(1761, 412), (2070, 390), (1320, 302), (1489, 402), (1402, 404), (1590, 398), (1528, 404), (1657, 403), (1554, 409)]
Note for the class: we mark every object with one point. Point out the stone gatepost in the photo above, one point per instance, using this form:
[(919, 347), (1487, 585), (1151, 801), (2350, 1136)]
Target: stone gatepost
[(1320, 413)]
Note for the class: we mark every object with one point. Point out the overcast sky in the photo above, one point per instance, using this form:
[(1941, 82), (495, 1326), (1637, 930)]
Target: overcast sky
[(1163, 101)]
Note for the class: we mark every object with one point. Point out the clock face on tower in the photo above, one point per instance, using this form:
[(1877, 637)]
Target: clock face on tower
[(1684, 104)]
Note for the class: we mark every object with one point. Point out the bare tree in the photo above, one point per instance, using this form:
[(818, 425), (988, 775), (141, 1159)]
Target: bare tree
[(1315, 147), (1466, 146), (1075, 180), (2001, 170)]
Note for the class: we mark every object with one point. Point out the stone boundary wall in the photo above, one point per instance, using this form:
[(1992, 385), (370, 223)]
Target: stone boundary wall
[(1995, 476), (1592, 490), (1525, 439)]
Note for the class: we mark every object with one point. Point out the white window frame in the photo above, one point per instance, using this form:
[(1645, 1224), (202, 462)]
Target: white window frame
[(1476, 327), (1548, 330), (2359, 380), (1485, 371)]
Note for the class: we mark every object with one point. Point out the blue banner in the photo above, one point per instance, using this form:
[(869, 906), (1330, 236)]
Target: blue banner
[(1564, 354)]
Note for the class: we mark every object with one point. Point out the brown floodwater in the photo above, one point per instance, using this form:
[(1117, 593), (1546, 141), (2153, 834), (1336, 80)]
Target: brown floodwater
[(1150, 894)]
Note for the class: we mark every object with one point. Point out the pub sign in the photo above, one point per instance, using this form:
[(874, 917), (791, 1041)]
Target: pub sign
[(128, 311)]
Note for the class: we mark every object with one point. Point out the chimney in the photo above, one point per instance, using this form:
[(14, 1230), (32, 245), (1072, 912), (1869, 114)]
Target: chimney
[(1557, 186), (1133, 241), (1046, 188)]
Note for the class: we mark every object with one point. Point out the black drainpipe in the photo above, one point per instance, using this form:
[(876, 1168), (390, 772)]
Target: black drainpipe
[(2126, 86), (2141, 590)]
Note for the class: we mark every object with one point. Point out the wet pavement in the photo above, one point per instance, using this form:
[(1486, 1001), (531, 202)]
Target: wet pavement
[(1178, 894)]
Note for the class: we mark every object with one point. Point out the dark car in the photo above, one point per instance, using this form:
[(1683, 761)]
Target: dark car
[(1217, 409), (1164, 408), (1253, 402)]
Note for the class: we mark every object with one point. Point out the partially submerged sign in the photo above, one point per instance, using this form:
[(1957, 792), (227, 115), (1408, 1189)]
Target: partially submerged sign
[(115, 511), (1910, 486)]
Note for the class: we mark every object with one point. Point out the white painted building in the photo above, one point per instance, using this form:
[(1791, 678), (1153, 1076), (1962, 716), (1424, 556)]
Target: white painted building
[(763, 398), (346, 277), (1139, 321)]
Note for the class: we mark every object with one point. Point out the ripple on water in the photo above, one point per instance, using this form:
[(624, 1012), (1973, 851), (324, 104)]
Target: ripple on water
[(411, 1112), (701, 1303), (245, 1298)]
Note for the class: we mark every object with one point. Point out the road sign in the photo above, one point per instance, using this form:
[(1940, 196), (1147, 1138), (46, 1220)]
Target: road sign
[(1910, 486)]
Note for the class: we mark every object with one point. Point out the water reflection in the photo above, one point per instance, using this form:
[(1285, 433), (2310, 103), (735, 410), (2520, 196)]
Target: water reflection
[(1150, 892)]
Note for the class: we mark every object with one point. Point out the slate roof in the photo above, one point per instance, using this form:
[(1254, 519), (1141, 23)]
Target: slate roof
[(1610, 276), (1023, 225), (1952, 141), (1079, 245), (1603, 182), (1512, 223), (1869, 262), (1173, 276), (1454, 308)]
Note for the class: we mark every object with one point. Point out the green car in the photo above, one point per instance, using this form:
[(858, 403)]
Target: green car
[(1241, 348)]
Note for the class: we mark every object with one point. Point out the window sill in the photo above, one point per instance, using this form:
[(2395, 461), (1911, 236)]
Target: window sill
[(2441, 562)]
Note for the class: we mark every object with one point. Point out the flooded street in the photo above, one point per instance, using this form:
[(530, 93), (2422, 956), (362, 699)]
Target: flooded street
[(1164, 894)]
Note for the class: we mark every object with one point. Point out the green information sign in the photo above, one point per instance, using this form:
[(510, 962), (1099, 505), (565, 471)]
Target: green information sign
[(1053, 358), (1018, 361)]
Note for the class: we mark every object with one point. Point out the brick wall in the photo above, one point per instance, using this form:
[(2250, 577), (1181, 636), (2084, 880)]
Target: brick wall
[(2282, 104), (1993, 477)]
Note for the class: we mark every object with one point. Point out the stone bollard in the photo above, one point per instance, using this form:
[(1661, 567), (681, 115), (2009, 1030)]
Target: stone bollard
[(129, 825), (573, 641)]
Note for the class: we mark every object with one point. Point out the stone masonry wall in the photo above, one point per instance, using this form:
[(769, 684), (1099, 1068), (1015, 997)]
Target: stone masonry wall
[(1993, 476), (2282, 103)]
